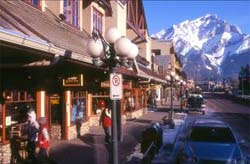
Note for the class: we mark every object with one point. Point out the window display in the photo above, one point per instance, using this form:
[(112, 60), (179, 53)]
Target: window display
[(98, 103), (78, 112), (17, 106), (78, 109)]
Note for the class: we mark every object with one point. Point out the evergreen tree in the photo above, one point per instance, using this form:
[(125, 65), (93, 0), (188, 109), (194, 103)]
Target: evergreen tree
[(244, 79)]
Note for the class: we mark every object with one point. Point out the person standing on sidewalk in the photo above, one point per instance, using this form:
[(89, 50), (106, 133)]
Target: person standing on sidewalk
[(105, 121), (43, 143), (32, 134)]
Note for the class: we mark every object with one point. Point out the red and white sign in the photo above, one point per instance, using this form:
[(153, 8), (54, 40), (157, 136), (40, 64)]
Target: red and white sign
[(115, 86)]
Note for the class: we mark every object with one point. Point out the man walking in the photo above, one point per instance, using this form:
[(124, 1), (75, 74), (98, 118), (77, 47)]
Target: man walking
[(32, 133)]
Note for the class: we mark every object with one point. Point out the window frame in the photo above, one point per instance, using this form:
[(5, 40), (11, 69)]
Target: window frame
[(97, 20), (73, 17), (31, 2)]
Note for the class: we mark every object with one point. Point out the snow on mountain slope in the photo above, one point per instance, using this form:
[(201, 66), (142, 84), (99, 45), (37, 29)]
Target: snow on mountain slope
[(205, 46)]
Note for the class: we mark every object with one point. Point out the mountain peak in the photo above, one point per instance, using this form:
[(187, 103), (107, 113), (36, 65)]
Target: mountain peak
[(208, 41), (210, 16)]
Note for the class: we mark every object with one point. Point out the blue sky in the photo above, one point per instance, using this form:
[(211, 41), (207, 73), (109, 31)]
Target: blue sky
[(162, 14)]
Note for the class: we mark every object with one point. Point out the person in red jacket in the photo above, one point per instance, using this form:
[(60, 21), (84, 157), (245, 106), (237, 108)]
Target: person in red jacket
[(43, 142), (105, 121)]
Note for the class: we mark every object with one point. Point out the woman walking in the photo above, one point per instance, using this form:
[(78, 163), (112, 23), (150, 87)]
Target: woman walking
[(105, 121), (43, 142)]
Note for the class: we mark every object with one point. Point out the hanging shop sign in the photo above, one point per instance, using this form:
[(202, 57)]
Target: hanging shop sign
[(105, 84), (74, 81), (8, 120), (54, 99), (126, 84), (115, 86)]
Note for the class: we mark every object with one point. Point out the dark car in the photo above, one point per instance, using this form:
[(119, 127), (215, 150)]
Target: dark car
[(210, 142), (195, 102)]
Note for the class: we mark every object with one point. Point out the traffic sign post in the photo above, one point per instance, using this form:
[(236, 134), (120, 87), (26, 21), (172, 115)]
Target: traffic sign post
[(115, 86)]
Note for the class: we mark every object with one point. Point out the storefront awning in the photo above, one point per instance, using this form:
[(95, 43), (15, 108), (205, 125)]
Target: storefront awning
[(144, 72), (43, 31)]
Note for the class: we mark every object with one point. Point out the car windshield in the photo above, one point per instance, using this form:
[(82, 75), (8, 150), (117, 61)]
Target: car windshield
[(211, 134)]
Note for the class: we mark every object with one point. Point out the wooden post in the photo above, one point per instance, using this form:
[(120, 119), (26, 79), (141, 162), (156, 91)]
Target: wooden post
[(3, 119), (41, 104), (67, 109), (89, 105), (123, 104)]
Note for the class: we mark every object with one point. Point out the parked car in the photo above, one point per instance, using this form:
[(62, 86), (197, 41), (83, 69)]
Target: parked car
[(195, 102), (210, 142)]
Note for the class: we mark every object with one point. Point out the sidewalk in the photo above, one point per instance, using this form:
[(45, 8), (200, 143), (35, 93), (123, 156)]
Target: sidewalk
[(170, 136), (90, 148)]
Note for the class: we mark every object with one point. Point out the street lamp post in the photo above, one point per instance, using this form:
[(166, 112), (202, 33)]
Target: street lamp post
[(171, 79), (182, 83), (112, 52)]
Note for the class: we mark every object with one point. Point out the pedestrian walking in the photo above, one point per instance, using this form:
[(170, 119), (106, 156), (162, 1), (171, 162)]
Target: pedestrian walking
[(105, 121), (32, 134), (43, 142)]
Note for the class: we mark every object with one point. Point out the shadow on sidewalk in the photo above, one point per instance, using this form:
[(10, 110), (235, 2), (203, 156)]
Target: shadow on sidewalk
[(103, 152), (73, 153)]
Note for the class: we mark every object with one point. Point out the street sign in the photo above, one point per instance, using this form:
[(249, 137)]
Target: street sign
[(115, 86)]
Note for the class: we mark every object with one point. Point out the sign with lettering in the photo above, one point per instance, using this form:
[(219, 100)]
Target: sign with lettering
[(73, 81), (105, 84), (8, 120), (126, 84), (115, 86)]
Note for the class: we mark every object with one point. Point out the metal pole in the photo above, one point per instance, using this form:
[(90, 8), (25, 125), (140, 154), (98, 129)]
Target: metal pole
[(114, 133), (171, 98), (181, 96)]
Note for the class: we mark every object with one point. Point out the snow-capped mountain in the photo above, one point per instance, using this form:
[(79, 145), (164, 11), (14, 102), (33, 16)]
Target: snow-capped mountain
[(209, 47)]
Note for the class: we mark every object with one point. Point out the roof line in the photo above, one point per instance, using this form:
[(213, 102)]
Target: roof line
[(24, 24)]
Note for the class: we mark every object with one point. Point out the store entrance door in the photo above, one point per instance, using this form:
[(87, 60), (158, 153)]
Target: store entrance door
[(56, 116)]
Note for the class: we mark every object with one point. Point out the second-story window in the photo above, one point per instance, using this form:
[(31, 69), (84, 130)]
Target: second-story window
[(71, 11), (35, 3), (97, 21), (156, 52)]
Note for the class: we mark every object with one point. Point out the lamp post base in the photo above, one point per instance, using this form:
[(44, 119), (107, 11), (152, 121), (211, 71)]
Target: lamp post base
[(168, 120)]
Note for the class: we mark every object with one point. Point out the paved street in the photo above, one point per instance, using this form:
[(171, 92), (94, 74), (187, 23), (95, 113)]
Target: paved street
[(236, 115), (91, 150)]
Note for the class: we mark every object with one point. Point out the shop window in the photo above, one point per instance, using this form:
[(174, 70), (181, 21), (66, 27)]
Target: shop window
[(17, 107), (15, 96), (35, 3), (22, 95), (98, 101), (71, 12), (97, 21), (78, 107), (129, 101)]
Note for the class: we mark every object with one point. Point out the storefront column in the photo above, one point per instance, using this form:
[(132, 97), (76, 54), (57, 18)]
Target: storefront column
[(3, 121), (68, 106), (89, 105), (41, 103), (137, 99)]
